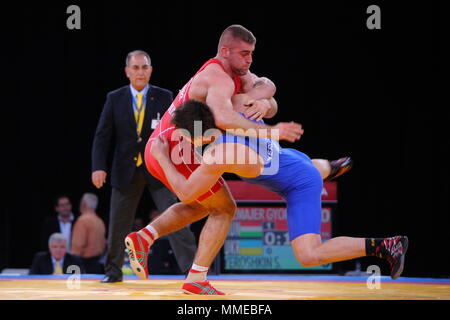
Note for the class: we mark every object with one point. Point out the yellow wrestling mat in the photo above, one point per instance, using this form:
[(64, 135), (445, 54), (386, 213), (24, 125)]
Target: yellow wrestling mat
[(236, 288)]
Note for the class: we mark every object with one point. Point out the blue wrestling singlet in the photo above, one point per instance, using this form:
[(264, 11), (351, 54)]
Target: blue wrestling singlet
[(291, 174)]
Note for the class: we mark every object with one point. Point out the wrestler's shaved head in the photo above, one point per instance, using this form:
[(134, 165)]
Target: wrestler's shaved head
[(235, 50), (234, 33)]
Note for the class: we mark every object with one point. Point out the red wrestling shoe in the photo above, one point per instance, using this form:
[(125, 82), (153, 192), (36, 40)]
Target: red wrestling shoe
[(202, 288), (138, 248)]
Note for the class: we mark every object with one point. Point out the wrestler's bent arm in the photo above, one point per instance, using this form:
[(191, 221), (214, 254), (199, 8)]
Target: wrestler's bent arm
[(187, 190), (262, 90)]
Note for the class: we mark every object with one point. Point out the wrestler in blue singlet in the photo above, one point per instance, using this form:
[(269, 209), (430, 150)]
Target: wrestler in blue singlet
[(296, 180)]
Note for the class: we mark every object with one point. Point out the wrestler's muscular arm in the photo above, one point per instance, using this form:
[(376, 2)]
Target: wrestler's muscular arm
[(200, 181), (219, 89), (216, 161), (257, 87), (261, 91)]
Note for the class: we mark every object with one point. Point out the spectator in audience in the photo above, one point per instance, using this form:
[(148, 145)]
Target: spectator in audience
[(56, 260), (88, 240), (63, 222)]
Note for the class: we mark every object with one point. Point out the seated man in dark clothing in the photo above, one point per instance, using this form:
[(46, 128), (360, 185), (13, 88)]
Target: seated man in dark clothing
[(62, 222), (56, 260)]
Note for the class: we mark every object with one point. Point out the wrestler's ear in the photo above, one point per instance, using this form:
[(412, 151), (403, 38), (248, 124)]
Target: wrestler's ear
[(224, 52)]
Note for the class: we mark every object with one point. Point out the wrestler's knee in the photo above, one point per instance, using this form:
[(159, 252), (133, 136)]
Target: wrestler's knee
[(229, 208), (221, 202), (323, 166), (307, 259), (226, 209), (315, 179), (304, 248)]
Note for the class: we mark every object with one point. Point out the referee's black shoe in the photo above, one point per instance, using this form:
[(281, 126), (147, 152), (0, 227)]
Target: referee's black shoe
[(111, 279), (339, 167)]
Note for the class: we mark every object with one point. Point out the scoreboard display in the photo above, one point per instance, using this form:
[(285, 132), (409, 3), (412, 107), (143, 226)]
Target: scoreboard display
[(258, 239)]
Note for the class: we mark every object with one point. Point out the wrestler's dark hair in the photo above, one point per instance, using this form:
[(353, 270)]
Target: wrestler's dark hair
[(240, 32), (191, 111)]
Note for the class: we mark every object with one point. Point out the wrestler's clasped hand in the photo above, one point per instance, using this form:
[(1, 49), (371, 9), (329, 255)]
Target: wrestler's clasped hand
[(160, 147), (256, 109)]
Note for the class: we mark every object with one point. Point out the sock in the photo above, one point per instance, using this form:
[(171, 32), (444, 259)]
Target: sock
[(197, 274), (374, 247), (149, 233), (152, 231)]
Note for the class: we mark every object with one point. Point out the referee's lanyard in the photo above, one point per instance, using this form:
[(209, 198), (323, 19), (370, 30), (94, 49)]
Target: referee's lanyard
[(139, 114)]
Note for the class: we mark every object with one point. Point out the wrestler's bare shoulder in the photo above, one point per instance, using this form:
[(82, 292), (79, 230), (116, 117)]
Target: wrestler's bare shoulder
[(212, 75)]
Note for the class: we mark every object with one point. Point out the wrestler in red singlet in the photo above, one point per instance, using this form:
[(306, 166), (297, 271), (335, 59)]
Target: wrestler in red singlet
[(166, 128)]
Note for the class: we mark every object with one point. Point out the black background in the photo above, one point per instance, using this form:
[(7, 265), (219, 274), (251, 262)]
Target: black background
[(370, 94)]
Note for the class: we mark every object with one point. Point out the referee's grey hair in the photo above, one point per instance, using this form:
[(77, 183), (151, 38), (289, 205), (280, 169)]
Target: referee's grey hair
[(90, 200), (137, 53), (57, 237)]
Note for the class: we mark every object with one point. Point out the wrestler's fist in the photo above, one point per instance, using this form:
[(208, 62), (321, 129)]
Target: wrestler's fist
[(289, 131), (160, 147)]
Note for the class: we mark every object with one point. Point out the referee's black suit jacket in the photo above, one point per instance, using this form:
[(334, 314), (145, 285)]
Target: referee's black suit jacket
[(117, 126)]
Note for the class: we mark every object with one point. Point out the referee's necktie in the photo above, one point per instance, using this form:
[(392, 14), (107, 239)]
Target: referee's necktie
[(58, 269), (139, 116)]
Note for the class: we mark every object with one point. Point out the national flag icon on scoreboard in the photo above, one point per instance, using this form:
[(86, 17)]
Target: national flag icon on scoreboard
[(251, 234), (251, 247), (255, 231)]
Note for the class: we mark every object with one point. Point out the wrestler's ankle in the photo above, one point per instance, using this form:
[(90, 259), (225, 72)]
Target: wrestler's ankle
[(149, 234), (197, 274)]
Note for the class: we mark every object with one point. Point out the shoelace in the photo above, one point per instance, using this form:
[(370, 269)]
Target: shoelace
[(393, 246)]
